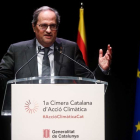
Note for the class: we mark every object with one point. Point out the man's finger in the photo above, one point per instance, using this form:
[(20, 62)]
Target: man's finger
[(100, 53), (109, 48), (109, 54)]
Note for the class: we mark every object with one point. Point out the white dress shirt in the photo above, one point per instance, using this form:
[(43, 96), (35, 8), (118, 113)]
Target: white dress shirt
[(40, 59)]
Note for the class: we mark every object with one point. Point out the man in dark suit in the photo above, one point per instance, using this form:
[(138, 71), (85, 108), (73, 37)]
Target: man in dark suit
[(45, 24)]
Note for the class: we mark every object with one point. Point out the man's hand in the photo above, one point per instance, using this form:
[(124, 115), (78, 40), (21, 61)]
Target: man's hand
[(105, 61)]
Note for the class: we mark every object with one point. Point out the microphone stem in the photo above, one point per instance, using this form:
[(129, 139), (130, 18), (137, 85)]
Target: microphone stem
[(39, 48), (77, 63)]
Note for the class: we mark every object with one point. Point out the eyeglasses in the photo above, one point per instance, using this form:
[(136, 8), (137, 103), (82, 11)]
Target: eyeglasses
[(45, 26)]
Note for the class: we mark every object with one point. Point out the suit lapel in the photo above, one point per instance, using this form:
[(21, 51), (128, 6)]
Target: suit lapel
[(58, 58), (30, 52)]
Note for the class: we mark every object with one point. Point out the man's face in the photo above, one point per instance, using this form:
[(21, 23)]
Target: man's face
[(45, 37)]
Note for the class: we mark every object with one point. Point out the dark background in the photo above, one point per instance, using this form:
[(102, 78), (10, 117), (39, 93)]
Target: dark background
[(106, 23)]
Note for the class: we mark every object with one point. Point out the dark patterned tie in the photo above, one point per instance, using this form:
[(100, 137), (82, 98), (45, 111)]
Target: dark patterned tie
[(46, 63)]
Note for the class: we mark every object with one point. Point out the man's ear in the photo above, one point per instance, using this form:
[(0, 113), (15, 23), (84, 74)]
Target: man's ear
[(33, 26)]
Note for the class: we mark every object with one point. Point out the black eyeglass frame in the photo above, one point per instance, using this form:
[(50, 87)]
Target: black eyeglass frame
[(53, 27)]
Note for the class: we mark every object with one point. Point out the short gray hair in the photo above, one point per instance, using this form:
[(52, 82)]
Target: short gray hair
[(45, 8)]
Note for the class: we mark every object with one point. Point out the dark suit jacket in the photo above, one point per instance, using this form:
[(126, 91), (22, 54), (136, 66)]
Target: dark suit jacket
[(19, 53)]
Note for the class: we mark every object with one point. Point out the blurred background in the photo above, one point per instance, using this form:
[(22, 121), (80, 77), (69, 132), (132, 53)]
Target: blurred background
[(114, 23)]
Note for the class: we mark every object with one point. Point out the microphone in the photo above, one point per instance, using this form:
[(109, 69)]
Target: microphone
[(60, 51), (39, 49)]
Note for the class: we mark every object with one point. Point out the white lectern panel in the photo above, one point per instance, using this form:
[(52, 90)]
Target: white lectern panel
[(58, 111)]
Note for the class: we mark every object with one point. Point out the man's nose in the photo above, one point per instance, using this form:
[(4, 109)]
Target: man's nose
[(48, 29)]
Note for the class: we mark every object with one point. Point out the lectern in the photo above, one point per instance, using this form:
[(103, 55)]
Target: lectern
[(55, 108)]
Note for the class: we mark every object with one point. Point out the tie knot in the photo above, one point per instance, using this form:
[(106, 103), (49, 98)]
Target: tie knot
[(45, 50)]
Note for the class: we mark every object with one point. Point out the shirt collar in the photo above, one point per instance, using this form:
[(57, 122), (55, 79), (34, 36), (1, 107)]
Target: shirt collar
[(38, 44)]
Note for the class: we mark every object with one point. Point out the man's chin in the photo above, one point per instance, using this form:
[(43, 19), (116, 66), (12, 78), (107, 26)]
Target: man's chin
[(48, 43)]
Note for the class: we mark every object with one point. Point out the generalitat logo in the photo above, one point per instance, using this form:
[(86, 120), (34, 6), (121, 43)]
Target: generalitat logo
[(46, 133), (31, 106)]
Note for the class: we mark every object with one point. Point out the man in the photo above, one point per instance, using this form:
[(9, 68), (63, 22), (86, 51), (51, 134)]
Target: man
[(45, 24)]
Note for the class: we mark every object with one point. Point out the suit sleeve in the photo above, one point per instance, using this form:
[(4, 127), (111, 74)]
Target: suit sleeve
[(7, 67)]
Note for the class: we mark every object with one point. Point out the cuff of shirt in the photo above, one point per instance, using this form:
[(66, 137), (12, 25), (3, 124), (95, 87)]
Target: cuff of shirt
[(106, 72)]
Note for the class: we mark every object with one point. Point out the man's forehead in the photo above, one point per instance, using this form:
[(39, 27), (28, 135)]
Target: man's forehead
[(47, 14)]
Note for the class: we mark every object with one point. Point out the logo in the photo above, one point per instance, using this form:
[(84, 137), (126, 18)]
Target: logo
[(46, 133), (31, 106)]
